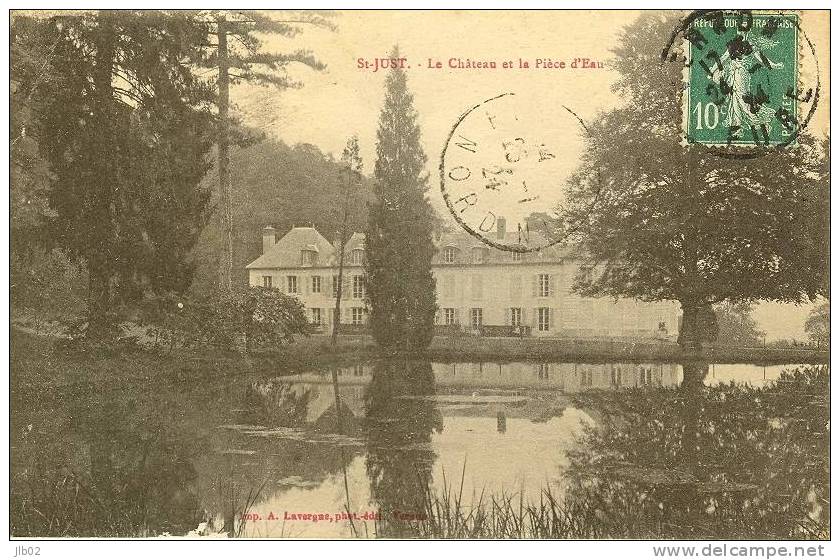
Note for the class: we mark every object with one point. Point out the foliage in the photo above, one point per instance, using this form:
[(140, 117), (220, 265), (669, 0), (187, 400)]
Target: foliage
[(736, 327), (249, 29), (399, 248), (818, 325), (48, 282), (262, 316), (30, 177), (350, 178), (713, 461), (283, 186), (675, 222), (125, 126)]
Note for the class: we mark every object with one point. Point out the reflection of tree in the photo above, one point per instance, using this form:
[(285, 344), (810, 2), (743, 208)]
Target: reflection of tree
[(399, 427), (298, 454), (119, 477), (709, 462), (275, 403)]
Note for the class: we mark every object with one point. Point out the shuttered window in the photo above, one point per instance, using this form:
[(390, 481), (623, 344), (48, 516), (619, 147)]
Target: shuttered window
[(476, 317), (544, 285), (515, 317), (358, 287), (543, 319)]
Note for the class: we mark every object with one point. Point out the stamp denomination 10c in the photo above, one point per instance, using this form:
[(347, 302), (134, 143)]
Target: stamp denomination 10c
[(742, 85)]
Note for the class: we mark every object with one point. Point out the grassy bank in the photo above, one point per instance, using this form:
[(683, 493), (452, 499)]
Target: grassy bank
[(608, 349), (315, 349)]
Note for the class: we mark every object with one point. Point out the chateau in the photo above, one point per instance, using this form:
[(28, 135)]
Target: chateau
[(479, 289)]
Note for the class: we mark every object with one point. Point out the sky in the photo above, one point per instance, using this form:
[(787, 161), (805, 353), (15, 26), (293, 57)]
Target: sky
[(344, 100)]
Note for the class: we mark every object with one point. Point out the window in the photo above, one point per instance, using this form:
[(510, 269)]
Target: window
[(543, 371), (266, 281), (449, 316), (358, 315), (476, 317), (316, 284), (515, 316), (517, 257), (308, 257), (449, 255), (543, 319), (291, 282), (615, 376), (358, 287), (316, 316), (544, 285), (357, 256)]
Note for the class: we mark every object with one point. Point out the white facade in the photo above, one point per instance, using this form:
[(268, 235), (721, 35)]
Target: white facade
[(477, 288)]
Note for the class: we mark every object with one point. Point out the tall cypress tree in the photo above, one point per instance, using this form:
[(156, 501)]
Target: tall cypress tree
[(399, 248)]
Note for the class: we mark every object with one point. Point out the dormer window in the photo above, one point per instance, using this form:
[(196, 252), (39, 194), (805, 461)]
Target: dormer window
[(308, 257), (479, 255), (357, 256), (449, 254)]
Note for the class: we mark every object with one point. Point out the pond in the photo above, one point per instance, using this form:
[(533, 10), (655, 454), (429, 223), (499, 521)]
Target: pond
[(420, 449)]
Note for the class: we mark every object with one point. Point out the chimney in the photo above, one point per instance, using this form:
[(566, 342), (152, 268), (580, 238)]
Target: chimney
[(337, 240), (500, 227), (269, 238)]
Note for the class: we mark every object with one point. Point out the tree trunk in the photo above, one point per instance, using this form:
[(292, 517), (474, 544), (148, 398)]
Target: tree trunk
[(337, 314), (699, 325), (226, 264), (99, 257), (688, 329), (342, 242)]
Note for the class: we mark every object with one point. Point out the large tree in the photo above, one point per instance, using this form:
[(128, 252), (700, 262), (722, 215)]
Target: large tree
[(125, 127), (236, 42), (399, 248), (677, 222)]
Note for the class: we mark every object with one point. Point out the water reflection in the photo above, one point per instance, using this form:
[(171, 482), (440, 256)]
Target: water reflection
[(89, 467), (644, 450), (695, 462), (400, 419)]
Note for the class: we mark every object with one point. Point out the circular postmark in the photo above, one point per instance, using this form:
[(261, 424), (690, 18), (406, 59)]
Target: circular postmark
[(750, 80), (504, 171)]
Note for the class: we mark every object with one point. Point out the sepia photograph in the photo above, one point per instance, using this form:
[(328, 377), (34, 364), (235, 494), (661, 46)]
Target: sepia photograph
[(420, 275)]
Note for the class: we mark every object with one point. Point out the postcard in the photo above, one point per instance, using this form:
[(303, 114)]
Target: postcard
[(420, 274)]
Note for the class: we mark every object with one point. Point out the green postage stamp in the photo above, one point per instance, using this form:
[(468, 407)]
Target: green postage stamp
[(742, 79)]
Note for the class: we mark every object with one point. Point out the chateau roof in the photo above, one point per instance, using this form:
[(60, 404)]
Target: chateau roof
[(465, 243), (286, 253)]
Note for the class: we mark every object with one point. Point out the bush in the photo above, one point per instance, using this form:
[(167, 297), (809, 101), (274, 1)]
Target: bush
[(47, 282), (254, 316)]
